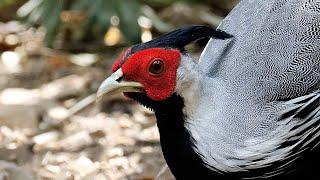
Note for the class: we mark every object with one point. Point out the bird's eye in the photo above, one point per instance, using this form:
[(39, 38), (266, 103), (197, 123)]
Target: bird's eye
[(156, 67)]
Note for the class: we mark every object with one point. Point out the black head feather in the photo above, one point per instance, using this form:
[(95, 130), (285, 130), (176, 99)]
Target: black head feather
[(179, 38)]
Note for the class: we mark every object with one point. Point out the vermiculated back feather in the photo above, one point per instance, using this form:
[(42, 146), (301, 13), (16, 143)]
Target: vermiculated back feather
[(276, 42), (262, 89)]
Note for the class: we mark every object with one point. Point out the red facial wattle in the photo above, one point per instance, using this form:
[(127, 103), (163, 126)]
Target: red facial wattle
[(159, 84)]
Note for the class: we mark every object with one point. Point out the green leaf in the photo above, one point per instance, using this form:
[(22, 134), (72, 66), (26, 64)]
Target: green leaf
[(169, 2), (81, 5), (128, 12), (51, 21)]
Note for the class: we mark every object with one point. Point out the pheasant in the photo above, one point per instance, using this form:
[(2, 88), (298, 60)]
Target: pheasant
[(249, 108)]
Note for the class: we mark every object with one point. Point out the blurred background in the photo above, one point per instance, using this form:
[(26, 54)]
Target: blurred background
[(53, 56)]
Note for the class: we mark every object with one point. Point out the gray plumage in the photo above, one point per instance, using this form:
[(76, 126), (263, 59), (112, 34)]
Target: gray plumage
[(252, 94), (250, 108)]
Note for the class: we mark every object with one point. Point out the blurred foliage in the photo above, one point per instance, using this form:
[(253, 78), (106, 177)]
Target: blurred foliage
[(47, 13), (98, 13), (168, 2), (7, 2)]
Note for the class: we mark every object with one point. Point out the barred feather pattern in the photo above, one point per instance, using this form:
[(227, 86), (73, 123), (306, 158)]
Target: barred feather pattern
[(257, 94)]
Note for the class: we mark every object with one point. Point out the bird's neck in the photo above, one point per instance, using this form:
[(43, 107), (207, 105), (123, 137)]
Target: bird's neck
[(177, 144), (210, 133), (176, 141), (189, 82)]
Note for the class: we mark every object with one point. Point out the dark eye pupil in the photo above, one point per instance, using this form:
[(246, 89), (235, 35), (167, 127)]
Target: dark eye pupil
[(156, 67)]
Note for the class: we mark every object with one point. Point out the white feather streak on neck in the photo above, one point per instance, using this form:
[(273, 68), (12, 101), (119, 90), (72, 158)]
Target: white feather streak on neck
[(188, 83)]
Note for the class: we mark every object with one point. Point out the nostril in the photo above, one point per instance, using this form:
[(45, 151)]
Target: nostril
[(119, 79)]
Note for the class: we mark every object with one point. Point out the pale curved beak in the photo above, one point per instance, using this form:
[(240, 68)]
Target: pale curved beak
[(116, 84)]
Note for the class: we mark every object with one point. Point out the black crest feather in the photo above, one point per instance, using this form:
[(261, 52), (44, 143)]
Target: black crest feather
[(181, 37)]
